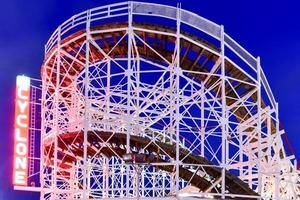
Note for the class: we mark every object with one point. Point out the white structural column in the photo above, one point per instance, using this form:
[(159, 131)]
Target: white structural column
[(259, 135), (202, 119), (86, 106), (56, 131), (129, 73), (177, 111), (241, 150), (107, 91), (224, 120), (43, 134), (105, 176), (277, 157)]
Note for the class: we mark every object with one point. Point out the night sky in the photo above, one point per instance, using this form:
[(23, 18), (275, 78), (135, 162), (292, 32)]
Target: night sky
[(267, 29)]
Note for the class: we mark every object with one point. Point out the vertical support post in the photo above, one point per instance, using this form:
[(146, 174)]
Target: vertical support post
[(43, 131), (163, 184), (107, 92), (277, 170), (56, 133), (89, 170), (224, 105), (76, 175), (202, 120), (86, 105), (241, 150), (269, 133), (177, 115), (143, 181), (121, 175), (113, 178), (259, 139), (129, 73), (269, 149), (137, 181), (107, 127), (136, 73), (105, 176)]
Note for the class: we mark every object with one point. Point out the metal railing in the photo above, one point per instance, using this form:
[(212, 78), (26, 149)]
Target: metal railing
[(150, 9)]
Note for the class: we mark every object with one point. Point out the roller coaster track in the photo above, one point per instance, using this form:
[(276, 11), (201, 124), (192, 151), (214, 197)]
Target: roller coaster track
[(114, 144)]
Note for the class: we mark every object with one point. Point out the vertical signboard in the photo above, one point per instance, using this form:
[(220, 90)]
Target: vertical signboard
[(22, 105)]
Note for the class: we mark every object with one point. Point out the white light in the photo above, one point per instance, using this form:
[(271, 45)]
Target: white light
[(23, 82), (193, 194), (122, 169)]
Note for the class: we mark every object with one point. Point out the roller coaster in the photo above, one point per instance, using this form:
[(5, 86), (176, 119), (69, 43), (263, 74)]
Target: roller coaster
[(148, 101)]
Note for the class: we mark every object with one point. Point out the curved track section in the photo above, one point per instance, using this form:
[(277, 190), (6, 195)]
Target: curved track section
[(147, 151)]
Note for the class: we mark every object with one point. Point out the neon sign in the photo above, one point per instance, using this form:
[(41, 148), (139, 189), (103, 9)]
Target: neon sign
[(21, 130)]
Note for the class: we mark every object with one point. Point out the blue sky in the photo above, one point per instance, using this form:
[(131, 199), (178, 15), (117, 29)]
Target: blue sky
[(269, 29)]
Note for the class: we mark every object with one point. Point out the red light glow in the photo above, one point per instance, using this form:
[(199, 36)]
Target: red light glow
[(21, 130)]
